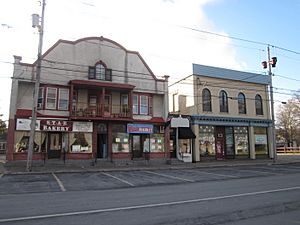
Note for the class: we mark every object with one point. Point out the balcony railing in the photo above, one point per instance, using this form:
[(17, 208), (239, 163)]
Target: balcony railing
[(101, 110)]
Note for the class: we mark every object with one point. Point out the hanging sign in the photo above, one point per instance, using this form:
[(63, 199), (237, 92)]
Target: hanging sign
[(56, 125)]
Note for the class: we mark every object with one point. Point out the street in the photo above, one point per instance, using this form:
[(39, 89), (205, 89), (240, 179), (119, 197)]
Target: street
[(224, 195)]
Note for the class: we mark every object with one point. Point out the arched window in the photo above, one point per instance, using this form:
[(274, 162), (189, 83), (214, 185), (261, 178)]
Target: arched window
[(223, 101), (258, 105), (242, 103), (206, 100), (100, 72)]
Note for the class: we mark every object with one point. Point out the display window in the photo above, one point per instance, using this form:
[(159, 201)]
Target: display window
[(261, 140), (157, 143), (207, 140), (241, 141), (22, 141), (120, 139), (80, 142)]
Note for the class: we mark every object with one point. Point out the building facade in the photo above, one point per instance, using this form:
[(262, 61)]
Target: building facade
[(229, 111), (97, 100)]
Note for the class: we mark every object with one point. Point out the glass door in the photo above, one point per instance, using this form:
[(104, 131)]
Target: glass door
[(54, 145)]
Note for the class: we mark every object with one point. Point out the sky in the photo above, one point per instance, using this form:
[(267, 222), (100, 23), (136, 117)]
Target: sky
[(169, 34)]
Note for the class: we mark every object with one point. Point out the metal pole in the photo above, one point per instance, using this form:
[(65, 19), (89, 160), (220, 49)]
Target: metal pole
[(36, 92), (272, 108)]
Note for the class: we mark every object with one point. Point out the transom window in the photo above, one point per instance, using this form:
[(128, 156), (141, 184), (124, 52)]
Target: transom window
[(242, 103), (223, 101), (206, 100), (258, 105)]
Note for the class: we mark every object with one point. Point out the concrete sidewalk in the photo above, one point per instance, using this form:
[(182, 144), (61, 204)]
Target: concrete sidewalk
[(88, 165)]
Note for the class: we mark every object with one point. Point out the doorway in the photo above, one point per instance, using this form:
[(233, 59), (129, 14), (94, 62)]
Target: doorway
[(54, 145), (137, 150), (220, 143), (102, 151)]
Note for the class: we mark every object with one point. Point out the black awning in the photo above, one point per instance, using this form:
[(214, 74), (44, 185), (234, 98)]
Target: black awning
[(185, 133)]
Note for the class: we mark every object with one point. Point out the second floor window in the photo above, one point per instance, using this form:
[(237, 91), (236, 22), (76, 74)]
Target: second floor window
[(63, 99), (242, 103), (51, 98), (206, 100), (100, 72), (56, 98), (223, 101), (142, 104), (258, 105)]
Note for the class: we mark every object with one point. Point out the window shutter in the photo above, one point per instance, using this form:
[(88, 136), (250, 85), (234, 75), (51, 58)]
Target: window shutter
[(108, 74), (92, 72)]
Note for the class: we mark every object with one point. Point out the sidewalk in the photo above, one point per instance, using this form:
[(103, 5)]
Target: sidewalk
[(59, 166)]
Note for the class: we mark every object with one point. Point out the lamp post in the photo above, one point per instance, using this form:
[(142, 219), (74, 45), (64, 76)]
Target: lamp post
[(271, 63), (39, 23)]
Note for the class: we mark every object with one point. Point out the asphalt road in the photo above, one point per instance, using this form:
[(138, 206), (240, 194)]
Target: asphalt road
[(239, 195)]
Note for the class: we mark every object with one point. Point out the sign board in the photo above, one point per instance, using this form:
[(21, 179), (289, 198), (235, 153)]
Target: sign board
[(140, 128), (180, 122), (82, 126), (56, 125), (24, 124), (260, 139)]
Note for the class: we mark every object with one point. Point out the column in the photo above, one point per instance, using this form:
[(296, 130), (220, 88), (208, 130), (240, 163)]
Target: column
[(251, 142)]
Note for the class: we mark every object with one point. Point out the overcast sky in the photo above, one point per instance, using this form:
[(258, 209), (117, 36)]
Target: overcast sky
[(169, 34)]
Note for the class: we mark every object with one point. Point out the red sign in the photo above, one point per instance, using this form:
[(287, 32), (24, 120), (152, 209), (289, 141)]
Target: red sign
[(140, 128), (56, 125)]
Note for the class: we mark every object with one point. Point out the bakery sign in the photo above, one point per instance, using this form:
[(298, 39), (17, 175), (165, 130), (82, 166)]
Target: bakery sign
[(56, 125)]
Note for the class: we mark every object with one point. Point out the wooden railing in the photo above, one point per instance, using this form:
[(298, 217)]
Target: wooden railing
[(102, 110), (288, 150)]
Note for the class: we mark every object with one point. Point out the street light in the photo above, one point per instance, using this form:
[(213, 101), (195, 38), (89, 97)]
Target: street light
[(271, 63)]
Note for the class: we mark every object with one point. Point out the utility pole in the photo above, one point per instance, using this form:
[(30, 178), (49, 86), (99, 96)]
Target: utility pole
[(272, 63), (40, 26)]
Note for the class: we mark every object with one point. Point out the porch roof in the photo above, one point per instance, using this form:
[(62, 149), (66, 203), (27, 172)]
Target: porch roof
[(95, 83)]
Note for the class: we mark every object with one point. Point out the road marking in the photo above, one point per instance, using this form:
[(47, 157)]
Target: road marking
[(170, 176), (119, 179), (217, 174), (154, 205), (60, 184), (278, 168), (257, 171)]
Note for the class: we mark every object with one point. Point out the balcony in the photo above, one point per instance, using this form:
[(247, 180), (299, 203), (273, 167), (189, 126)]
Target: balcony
[(101, 111)]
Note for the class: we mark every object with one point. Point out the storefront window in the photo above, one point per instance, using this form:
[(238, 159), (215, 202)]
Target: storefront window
[(207, 140), (120, 138), (157, 143), (80, 142), (261, 140), (241, 141), (229, 142), (185, 146), (22, 141)]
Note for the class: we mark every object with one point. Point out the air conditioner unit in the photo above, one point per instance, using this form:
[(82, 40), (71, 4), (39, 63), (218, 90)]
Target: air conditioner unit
[(39, 105)]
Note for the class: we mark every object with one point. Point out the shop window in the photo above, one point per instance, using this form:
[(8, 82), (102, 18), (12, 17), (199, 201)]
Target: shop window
[(120, 138), (22, 141), (258, 105), (207, 140), (229, 148), (206, 100), (80, 142), (223, 101), (261, 141), (157, 143), (242, 103), (241, 141)]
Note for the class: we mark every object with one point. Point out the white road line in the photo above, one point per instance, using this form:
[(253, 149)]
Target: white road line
[(119, 179), (216, 174), (257, 171), (170, 176), (278, 168), (154, 205), (60, 184)]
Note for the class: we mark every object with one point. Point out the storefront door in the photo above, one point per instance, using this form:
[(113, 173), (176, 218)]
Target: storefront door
[(137, 150), (220, 143), (54, 145), (102, 151)]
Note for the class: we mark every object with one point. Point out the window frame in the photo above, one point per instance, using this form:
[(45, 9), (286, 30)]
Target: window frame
[(137, 107), (242, 107), (55, 102), (41, 97), (67, 99), (223, 101), (259, 105), (206, 100), (102, 73)]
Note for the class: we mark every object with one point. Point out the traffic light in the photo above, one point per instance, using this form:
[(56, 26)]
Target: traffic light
[(264, 64), (273, 61)]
